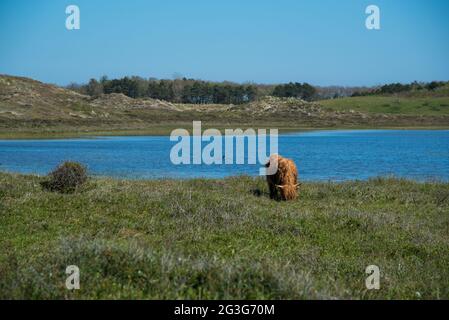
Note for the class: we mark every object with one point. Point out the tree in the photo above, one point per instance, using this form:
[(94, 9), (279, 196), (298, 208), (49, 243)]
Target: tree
[(297, 90), (433, 85), (94, 88)]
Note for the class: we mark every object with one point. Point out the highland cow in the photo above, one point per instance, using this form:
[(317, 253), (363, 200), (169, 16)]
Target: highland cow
[(284, 183)]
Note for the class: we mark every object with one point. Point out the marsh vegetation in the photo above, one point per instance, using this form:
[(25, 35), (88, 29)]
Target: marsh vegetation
[(224, 239)]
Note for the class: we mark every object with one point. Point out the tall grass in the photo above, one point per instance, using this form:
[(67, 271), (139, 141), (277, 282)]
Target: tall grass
[(224, 239)]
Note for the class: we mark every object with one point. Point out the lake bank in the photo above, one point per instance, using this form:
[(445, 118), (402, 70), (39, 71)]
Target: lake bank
[(165, 130), (206, 238)]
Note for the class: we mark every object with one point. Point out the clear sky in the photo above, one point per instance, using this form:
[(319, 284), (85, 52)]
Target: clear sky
[(323, 42)]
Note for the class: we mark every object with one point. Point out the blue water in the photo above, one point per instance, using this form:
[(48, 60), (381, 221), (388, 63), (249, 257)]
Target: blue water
[(320, 155)]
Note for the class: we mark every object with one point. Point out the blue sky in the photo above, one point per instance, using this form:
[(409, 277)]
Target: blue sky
[(323, 42)]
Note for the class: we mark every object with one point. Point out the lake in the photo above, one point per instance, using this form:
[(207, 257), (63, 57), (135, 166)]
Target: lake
[(320, 156)]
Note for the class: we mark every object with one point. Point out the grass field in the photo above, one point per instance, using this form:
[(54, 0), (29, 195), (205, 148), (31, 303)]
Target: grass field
[(425, 106), (224, 239)]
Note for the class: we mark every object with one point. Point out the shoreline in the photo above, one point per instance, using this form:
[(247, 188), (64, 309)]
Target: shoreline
[(166, 130), (103, 178)]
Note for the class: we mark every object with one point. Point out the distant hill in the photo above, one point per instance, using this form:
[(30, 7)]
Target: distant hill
[(27, 99), (418, 103), (28, 105)]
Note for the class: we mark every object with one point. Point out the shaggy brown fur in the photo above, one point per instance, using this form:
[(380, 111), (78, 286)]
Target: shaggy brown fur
[(285, 180)]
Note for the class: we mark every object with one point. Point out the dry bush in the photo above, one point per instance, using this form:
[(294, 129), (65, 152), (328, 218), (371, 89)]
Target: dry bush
[(66, 178)]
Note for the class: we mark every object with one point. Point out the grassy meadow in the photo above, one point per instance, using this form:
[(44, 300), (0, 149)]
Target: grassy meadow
[(424, 106), (199, 238)]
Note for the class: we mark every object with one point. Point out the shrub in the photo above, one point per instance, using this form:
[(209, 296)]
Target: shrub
[(67, 177)]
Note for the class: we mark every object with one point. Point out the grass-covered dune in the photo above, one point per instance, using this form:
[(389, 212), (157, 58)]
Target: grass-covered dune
[(32, 109), (389, 105), (224, 239)]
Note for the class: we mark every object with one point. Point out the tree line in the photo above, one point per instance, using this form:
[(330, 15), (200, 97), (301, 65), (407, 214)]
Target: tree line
[(393, 88), (296, 90), (185, 90), (178, 90)]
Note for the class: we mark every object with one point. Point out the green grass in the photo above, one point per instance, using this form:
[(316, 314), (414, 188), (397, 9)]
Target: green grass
[(425, 106), (224, 239)]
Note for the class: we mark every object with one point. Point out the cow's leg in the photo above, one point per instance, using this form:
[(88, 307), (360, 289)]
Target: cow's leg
[(273, 190), (283, 197)]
